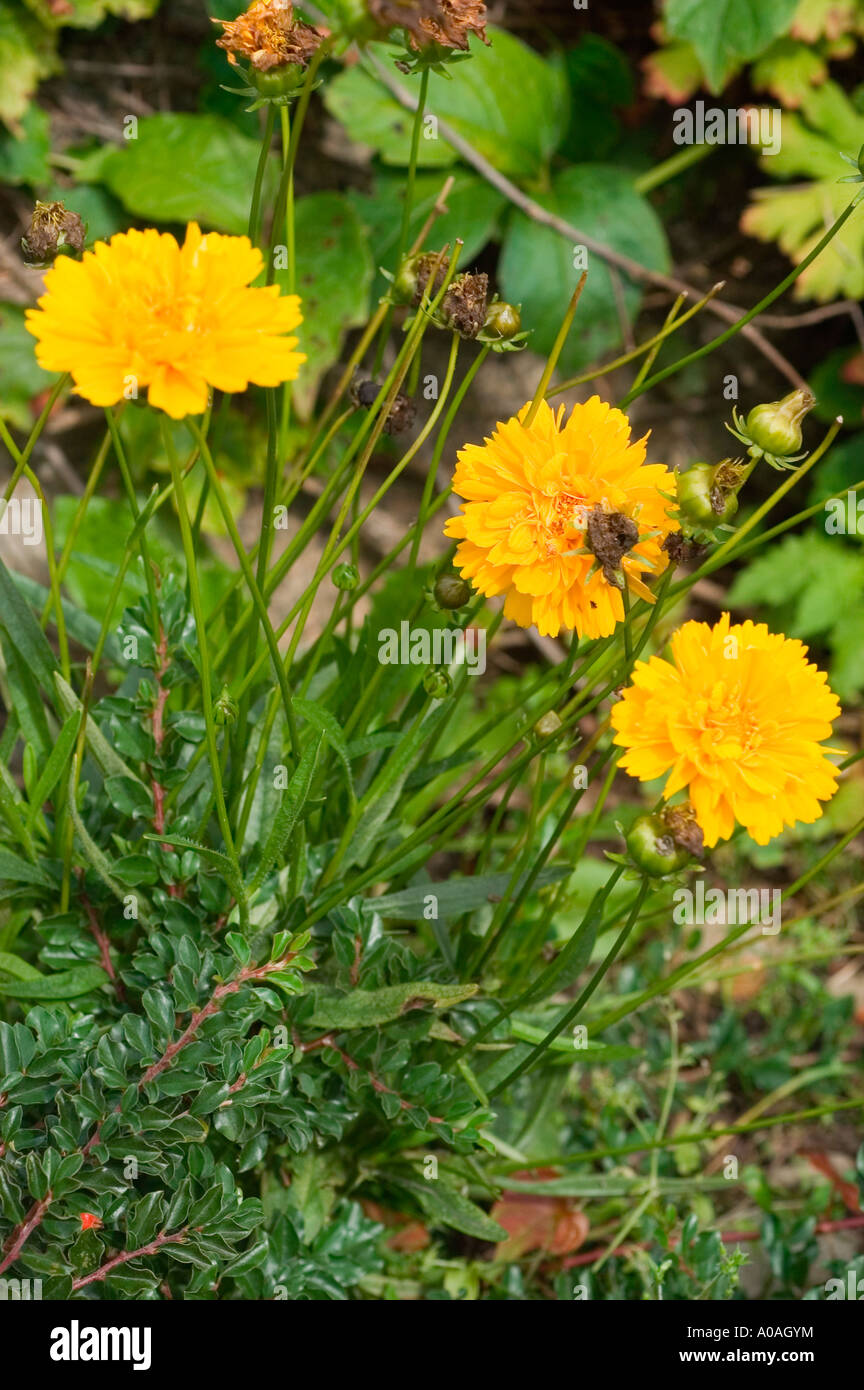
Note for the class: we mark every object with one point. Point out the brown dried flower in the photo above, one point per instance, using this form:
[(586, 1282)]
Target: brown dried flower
[(610, 536), (446, 22), (269, 36), (53, 231)]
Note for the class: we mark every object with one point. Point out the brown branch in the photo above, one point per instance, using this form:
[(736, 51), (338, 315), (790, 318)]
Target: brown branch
[(16, 1241), (154, 1246), (329, 1040), (22, 1232), (101, 938), (730, 313)]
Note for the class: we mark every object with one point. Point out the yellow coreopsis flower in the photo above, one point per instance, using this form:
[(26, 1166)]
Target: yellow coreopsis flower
[(558, 513), (141, 311), (738, 717)]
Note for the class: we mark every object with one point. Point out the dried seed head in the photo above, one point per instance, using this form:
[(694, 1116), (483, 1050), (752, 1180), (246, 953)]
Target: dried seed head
[(610, 536), (445, 22), (463, 307), (682, 551), (402, 411), (268, 35), (681, 823), (53, 231)]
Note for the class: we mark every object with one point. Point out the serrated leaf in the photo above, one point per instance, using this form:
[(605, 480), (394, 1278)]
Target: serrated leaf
[(727, 32)]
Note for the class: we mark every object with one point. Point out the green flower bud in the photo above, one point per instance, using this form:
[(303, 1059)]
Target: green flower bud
[(345, 577), (503, 321), (225, 710), (706, 498), (450, 591), (776, 428), (283, 81), (653, 850), (437, 683), (547, 725)]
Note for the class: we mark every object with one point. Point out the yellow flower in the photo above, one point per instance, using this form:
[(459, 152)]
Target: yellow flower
[(738, 717), (140, 311), (554, 510)]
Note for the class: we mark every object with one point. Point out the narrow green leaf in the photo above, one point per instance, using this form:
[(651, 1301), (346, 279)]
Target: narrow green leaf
[(53, 769), (364, 1008), (323, 720), (68, 984), (17, 619), (288, 814)]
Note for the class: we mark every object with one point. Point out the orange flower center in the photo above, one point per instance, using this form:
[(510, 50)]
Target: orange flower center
[(726, 725)]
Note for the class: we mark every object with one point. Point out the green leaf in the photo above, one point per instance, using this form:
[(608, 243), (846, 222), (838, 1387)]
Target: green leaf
[(333, 275), (289, 812), (130, 796), (726, 32), (322, 719), (110, 764), (454, 895), (68, 984), (21, 377), (16, 870), (474, 210), (98, 860), (54, 768), (18, 968), (18, 621), (27, 54), (796, 216), (476, 98), (369, 1008), (537, 265), (446, 1207), (24, 156), (181, 167)]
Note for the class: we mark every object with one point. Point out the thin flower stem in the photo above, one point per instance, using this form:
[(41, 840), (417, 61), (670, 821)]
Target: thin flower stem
[(671, 326), (252, 583), (571, 1014), (203, 652), (22, 456), (557, 348), (264, 153), (751, 314)]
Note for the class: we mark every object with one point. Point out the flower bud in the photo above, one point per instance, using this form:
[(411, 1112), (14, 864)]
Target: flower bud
[(283, 81), (707, 497), (547, 725), (437, 683), (225, 710), (450, 591), (652, 848), (345, 577), (776, 428), (53, 231), (503, 322)]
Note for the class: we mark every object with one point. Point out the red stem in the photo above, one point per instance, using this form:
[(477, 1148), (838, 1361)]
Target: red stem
[(97, 1275)]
